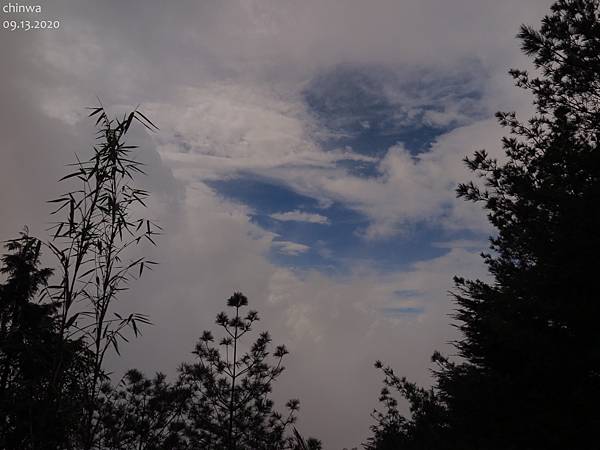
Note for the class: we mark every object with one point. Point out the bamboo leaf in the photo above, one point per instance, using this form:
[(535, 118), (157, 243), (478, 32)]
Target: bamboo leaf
[(71, 175), (71, 320), (95, 111)]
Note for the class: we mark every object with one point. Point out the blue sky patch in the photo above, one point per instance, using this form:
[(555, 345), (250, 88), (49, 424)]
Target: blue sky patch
[(367, 110), (335, 246), (373, 108)]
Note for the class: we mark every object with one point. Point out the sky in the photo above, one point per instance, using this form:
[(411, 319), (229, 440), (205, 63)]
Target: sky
[(308, 156)]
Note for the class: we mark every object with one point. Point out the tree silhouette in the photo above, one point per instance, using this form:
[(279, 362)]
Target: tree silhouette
[(220, 401), (29, 344), (309, 444), (142, 413), (91, 242), (426, 426), (230, 406), (529, 376), (55, 330)]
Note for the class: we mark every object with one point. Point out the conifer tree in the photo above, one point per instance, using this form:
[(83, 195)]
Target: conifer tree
[(29, 344), (220, 401), (230, 407), (529, 374), (142, 413)]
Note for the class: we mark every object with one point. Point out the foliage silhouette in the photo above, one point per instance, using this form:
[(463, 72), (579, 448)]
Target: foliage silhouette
[(56, 326), (230, 406), (529, 374), (143, 414), (91, 244), (220, 401), (309, 444), (29, 343)]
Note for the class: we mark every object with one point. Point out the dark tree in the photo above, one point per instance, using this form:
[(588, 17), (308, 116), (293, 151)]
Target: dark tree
[(230, 406), (426, 426), (142, 413), (92, 239), (29, 344), (220, 401), (529, 374), (309, 444)]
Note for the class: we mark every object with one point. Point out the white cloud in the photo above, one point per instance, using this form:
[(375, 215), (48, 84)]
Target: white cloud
[(301, 216), (409, 189), (291, 248), (337, 330), (223, 129), (237, 106)]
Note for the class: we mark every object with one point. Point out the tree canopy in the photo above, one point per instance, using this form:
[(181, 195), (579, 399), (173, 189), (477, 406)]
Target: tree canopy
[(528, 376)]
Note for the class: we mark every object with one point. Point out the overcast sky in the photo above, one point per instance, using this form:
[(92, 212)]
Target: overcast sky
[(308, 154)]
